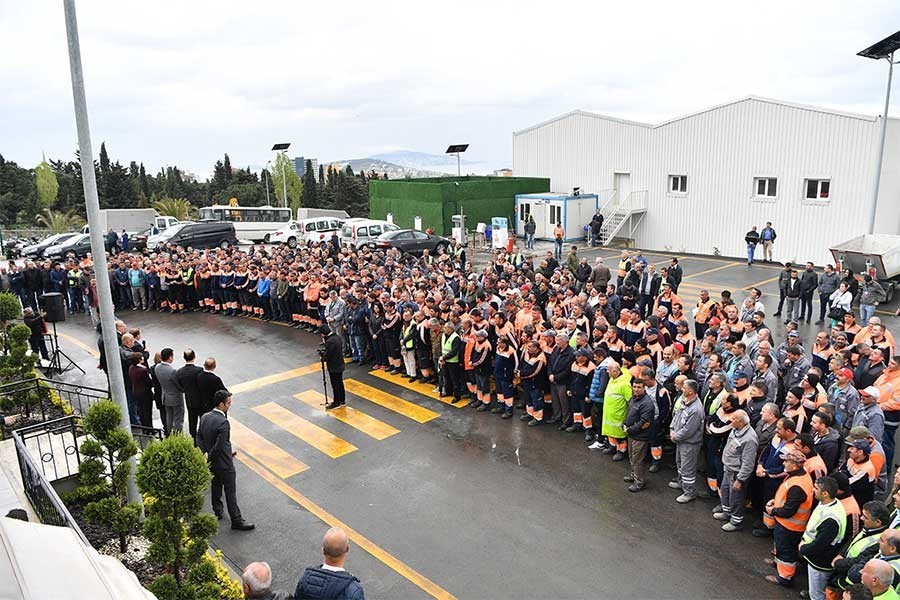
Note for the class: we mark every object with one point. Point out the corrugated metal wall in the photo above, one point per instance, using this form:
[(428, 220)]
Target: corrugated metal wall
[(721, 151)]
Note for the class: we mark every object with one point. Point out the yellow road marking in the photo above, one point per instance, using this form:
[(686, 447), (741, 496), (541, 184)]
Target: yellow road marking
[(390, 402), (763, 282), (312, 434), (92, 351), (283, 464), (352, 417), (418, 387), (255, 384), (719, 268), (394, 563)]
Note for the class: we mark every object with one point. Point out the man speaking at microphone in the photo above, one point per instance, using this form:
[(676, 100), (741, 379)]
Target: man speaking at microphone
[(333, 357)]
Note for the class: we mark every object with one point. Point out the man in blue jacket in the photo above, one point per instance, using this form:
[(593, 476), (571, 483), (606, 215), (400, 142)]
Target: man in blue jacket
[(330, 581)]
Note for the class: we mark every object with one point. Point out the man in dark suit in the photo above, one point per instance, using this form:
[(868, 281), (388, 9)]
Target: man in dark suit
[(214, 439), (187, 379), (208, 383), (648, 290), (334, 362)]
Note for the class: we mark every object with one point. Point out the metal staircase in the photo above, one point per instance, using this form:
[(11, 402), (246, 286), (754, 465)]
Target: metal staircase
[(619, 214)]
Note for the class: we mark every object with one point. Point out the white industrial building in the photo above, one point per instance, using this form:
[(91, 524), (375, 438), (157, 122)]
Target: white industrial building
[(695, 184)]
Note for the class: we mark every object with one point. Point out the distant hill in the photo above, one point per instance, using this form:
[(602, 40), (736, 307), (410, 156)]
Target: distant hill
[(421, 160), (393, 170), (403, 163)]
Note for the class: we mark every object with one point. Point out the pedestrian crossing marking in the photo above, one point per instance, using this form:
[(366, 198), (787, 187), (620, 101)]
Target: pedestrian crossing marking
[(349, 415), (390, 402), (315, 436), (277, 460), (424, 389), (255, 384)]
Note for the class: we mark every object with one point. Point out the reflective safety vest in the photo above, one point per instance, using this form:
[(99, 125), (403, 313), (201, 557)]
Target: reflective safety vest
[(862, 542), (822, 513), (406, 333), (74, 277), (623, 268), (797, 521), (187, 276), (447, 347)]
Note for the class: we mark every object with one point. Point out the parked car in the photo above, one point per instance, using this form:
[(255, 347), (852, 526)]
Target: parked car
[(319, 229), (290, 234), (79, 245), (359, 232), (138, 241), (410, 241), (37, 250), (203, 234)]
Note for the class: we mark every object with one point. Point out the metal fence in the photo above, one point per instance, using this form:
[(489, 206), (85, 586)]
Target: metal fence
[(44, 499), (32, 398)]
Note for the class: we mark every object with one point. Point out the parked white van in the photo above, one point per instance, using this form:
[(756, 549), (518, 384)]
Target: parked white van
[(356, 233)]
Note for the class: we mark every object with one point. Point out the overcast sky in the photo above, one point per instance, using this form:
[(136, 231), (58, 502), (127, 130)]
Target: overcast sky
[(183, 82)]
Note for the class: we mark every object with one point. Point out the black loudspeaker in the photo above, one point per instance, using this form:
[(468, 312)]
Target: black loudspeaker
[(54, 307)]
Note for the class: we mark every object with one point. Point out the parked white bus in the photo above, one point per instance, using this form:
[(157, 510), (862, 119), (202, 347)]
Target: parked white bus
[(254, 223)]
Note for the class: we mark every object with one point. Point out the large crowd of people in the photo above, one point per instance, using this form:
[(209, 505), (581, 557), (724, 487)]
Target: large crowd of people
[(795, 436)]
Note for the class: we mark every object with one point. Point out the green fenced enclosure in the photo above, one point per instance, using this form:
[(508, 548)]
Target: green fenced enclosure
[(435, 199)]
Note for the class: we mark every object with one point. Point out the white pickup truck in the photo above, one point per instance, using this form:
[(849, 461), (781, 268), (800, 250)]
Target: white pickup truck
[(132, 220)]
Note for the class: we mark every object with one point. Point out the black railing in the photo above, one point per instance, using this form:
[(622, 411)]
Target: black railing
[(38, 400), (44, 499), (144, 435)]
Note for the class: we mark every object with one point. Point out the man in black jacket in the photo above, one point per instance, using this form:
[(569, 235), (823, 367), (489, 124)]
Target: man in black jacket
[(334, 362), (214, 439), (331, 580), (640, 415), (208, 383), (33, 284), (559, 368), (187, 379), (809, 281), (752, 239)]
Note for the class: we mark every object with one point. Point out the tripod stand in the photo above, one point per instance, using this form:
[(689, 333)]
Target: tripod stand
[(324, 382), (56, 358)]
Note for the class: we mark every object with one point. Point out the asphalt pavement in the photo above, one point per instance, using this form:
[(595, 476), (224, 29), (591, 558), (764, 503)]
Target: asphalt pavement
[(442, 501)]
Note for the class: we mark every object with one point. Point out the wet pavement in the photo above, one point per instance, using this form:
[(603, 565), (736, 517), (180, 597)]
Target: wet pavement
[(443, 501)]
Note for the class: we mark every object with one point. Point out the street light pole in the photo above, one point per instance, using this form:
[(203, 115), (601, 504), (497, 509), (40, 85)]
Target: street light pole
[(98, 249), (884, 120), (284, 177)]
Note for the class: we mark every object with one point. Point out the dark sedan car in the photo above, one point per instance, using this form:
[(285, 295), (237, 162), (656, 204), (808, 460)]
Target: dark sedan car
[(410, 241)]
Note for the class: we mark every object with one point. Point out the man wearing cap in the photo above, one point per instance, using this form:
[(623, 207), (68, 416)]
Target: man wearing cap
[(860, 470), (869, 413), (823, 535), (738, 460), (787, 513), (844, 397), (876, 454)]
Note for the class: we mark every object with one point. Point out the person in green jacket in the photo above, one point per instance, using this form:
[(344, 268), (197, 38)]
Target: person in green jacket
[(615, 408)]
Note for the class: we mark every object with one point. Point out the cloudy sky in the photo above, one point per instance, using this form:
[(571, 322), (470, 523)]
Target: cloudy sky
[(183, 82)]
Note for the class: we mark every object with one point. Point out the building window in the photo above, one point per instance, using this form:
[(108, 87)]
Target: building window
[(524, 211), (678, 184), (818, 189), (766, 187), (556, 215)]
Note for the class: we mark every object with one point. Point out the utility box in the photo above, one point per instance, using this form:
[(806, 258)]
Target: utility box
[(572, 212), (437, 199)]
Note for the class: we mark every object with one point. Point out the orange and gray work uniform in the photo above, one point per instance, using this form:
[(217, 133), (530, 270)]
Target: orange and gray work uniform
[(792, 507), (530, 374), (582, 375)]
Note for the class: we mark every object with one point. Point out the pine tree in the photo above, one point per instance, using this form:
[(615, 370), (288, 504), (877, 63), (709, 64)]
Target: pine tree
[(227, 167), (145, 185), (310, 188), (104, 159)]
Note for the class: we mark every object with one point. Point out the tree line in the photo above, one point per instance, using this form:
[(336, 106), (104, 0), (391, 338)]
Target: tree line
[(56, 186)]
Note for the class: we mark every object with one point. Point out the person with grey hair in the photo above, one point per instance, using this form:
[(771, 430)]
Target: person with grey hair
[(559, 368), (687, 433), (331, 580), (738, 460), (257, 583)]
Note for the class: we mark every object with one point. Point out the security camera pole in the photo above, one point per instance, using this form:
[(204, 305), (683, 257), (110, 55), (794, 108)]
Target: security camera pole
[(98, 249)]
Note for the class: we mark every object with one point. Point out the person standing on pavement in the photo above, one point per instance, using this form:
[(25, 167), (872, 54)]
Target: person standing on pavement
[(172, 392), (331, 581), (828, 283), (823, 535), (752, 239), (615, 408), (208, 383), (333, 357), (787, 513), (871, 293), (187, 378), (793, 293), (809, 281), (638, 421), (530, 229), (768, 236), (559, 235), (784, 277), (739, 460), (214, 440), (686, 432), (559, 369)]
